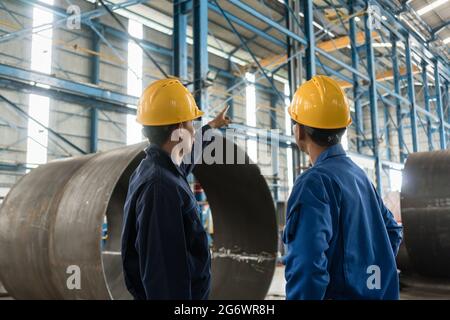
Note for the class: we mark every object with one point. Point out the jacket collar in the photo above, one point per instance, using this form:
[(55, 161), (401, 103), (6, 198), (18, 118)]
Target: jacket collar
[(157, 154), (333, 151)]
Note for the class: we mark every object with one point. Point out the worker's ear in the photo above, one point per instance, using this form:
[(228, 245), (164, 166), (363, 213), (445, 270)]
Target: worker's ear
[(303, 134), (299, 132)]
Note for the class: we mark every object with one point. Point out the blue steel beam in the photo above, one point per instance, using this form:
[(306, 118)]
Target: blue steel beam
[(446, 72), (146, 44), (256, 36), (249, 51), (248, 26), (356, 86), (411, 94), (310, 51), (274, 151), (373, 99), (333, 71), (427, 114), (396, 72), (230, 85), (400, 29), (435, 30), (95, 79), (93, 138), (200, 31), (19, 167), (447, 101), (387, 134), (393, 93), (125, 29), (103, 27), (341, 63), (53, 132), (180, 60), (86, 90), (84, 16), (395, 25), (437, 85), (241, 5), (69, 97), (426, 100)]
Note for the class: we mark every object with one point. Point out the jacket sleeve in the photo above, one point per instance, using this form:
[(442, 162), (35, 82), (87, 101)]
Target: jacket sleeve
[(160, 243), (197, 150), (307, 235)]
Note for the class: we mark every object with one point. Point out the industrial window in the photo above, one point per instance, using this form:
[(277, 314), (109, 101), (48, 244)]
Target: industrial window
[(250, 97), (134, 79), (288, 128), (38, 108)]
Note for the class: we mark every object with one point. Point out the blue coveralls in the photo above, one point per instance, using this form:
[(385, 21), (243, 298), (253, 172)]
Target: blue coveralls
[(341, 239), (164, 245)]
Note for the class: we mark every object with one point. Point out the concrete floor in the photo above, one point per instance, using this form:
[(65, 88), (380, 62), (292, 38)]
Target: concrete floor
[(277, 288), (413, 288)]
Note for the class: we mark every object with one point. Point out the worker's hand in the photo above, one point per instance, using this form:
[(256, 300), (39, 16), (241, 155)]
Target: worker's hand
[(221, 119)]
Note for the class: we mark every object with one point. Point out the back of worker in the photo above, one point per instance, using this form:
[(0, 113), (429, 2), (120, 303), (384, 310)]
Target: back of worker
[(353, 235), (341, 240), (165, 248), (165, 251)]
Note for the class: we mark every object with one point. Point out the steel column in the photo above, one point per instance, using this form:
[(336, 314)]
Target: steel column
[(447, 102), (294, 77), (200, 8), (411, 94), (387, 137), (356, 86), (310, 54), (437, 85), (373, 98), (93, 139), (95, 79), (396, 72), (180, 61), (274, 144), (426, 99), (230, 84)]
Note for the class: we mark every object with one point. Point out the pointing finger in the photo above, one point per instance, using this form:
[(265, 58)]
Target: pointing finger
[(224, 111)]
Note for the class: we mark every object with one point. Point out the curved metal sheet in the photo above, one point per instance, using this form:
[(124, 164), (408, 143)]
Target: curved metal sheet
[(425, 206), (52, 219)]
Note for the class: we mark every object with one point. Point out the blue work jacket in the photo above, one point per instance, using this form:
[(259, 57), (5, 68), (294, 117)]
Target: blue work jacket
[(165, 249), (341, 240)]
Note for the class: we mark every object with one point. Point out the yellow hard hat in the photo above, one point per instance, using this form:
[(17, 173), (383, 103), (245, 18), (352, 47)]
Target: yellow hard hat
[(166, 102), (320, 103)]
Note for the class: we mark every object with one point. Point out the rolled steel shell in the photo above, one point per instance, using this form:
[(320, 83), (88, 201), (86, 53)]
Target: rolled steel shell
[(51, 222)]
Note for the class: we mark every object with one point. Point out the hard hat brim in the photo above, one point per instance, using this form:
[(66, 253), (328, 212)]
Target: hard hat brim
[(295, 117), (197, 115)]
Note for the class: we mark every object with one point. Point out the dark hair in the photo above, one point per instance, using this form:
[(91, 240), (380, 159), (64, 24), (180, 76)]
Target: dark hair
[(158, 134), (325, 137)]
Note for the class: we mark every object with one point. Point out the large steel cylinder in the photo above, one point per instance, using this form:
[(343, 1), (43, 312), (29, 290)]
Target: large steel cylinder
[(425, 206), (52, 219)]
